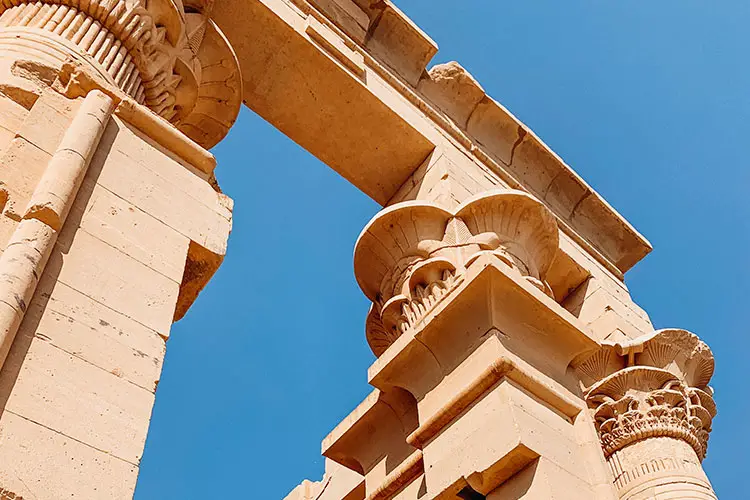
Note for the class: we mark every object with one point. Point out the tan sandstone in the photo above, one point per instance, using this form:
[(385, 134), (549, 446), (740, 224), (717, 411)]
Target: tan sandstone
[(511, 361)]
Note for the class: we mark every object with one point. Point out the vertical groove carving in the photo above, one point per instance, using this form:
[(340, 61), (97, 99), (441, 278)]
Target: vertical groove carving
[(168, 56), (653, 411)]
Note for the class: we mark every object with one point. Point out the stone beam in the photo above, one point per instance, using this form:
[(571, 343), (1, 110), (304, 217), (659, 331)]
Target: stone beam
[(347, 80), (304, 78)]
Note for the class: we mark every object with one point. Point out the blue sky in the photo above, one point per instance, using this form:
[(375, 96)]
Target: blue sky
[(648, 101)]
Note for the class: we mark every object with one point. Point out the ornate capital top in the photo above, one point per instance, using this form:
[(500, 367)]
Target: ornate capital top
[(655, 385), (677, 351), (169, 56), (412, 254)]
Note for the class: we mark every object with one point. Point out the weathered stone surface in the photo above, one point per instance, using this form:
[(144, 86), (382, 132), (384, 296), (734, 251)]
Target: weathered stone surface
[(23, 164), (123, 226), (453, 90), (136, 290), (400, 42), (89, 283), (95, 333), (47, 121), (160, 186), (60, 391), (511, 360), (41, 463)]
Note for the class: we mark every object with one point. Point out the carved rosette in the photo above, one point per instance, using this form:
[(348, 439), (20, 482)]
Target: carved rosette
[(412, 254), (651, 388), (168, 56)]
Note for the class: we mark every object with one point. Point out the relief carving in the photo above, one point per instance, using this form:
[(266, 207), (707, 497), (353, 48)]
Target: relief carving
[(653, 386), (168, 56), (412, 254), (641, 402), (647, 396)]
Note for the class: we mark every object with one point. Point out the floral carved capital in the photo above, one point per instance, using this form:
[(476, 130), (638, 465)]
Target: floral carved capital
[(413, 254), (167, 55), (653, 386)]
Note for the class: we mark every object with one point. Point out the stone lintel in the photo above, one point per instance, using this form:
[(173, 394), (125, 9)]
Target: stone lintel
[(347, 80), (306, 80)]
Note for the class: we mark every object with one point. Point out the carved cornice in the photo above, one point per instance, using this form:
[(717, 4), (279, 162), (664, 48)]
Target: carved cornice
[(167, 56), (412, 254), (653, 386), (501, 368), (411, 468)]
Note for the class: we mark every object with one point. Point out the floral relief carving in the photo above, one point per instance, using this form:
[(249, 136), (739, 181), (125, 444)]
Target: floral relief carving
[(653, 386), (413, 254), (167, 55)]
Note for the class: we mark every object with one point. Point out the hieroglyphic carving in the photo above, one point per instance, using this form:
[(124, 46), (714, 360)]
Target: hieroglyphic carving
[(671, 464), (412, 254), (170, 58), (9, 495)]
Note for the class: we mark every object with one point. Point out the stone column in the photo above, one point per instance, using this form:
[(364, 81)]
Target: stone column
[(28, 250), (111, 223), (473, 394), (653, 410), (487, 388)]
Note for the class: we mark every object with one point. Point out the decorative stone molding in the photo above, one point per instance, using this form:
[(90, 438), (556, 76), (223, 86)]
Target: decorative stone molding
[(167, 56), (642, 402), (655, 386), (219, 94), (412, 254), (452, 89), (410, 469)]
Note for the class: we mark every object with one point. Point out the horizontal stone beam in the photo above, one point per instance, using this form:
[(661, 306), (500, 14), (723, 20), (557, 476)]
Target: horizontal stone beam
[(347, 80), (305, 80)]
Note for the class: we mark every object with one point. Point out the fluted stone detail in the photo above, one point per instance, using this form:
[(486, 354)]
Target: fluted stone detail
[(413, 254), (169, 57), (653, 411)]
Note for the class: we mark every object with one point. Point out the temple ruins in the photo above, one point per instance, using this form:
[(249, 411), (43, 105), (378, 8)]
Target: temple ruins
[(511, 361)]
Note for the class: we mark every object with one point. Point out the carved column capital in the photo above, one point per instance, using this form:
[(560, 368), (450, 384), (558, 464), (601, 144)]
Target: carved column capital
[(640, 402), (167, 55), (655, 385), (412, 254), (643, 391)]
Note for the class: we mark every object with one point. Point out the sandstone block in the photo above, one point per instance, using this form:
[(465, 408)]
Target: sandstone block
[(90, 331), (132, 231), (7, 226), (401, 44), (13, 114), (543, 479), (159, 191), (48, 121), (453, 90), (56, 389), (22, 166), (495, 128), (347, 15), (114, 279), (62, 467)]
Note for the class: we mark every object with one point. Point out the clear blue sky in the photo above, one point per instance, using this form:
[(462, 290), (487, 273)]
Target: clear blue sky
[(648, 100)]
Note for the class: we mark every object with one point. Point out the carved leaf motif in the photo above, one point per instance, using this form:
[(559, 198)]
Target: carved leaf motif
[(421, 251), (632, 405)]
